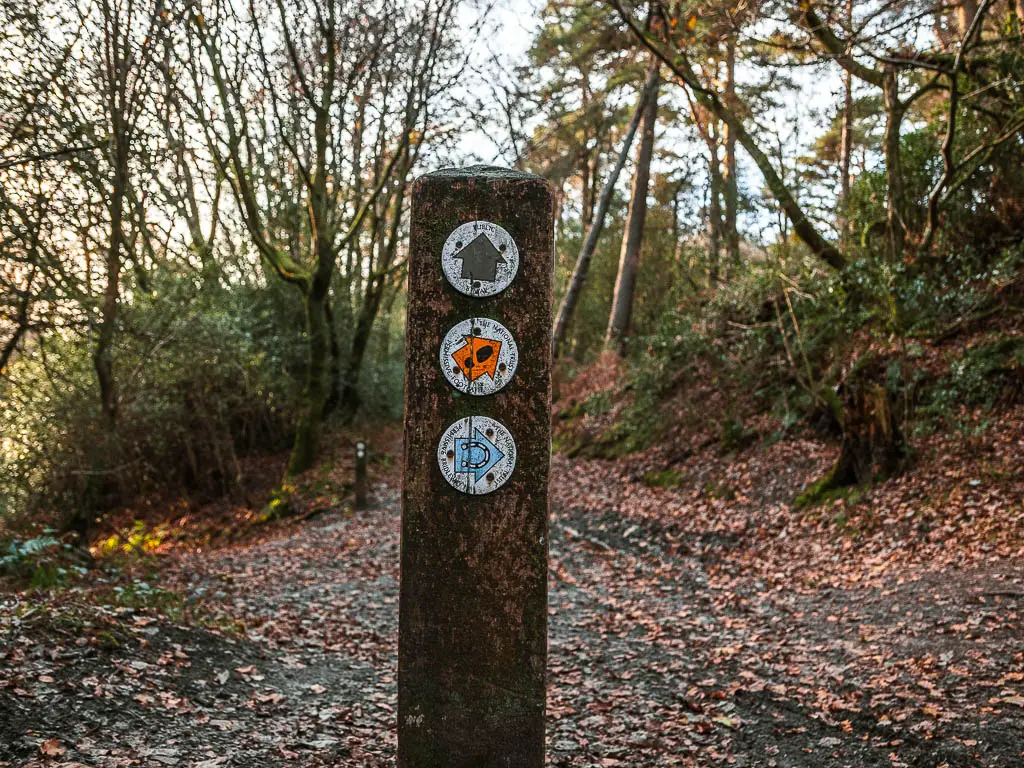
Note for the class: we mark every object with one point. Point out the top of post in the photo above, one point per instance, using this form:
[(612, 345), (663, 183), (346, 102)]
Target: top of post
[(494, 172)]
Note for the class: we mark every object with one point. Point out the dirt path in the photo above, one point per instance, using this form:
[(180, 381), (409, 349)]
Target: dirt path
[(665, 651)]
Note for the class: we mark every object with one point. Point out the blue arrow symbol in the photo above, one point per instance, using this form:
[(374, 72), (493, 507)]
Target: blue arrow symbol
[(476, 455)]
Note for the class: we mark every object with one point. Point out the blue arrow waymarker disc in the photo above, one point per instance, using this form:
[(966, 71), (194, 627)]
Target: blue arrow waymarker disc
[(476, 455)]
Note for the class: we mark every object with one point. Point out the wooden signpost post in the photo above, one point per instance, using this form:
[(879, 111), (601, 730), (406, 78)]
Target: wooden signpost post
[(360, 483), (472, 645)]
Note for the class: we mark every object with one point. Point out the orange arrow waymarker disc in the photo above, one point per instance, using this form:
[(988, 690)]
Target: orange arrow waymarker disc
[(477, 357)]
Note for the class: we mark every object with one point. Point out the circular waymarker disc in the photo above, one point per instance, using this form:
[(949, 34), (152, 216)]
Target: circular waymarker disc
[(480, 259), (479, 356), (476, 455)]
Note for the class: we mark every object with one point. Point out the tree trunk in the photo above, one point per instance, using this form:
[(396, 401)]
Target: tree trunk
[(590, 157), (965, 14), (21, 320), (334, 376), (588, 196), (360, 340), (729, 180), (622, 301), (803, 226), (373, 296), (873, 448), (579, 272), (314, 394), (845, 154), (311, 403), (595, 174), (895, 195), (391, 291), (714, 217), (103, 354), (846, 145)]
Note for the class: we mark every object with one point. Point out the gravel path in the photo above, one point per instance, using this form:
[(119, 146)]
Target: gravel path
[(655, 660)]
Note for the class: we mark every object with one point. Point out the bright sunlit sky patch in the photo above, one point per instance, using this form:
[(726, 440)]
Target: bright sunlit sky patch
[(510, 26)]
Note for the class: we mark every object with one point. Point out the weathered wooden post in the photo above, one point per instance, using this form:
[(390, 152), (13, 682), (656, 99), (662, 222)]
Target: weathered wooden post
[(360, 480), (472, 642)]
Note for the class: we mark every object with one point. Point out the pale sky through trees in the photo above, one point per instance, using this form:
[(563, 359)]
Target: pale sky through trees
[(803, 114), (508, 28)]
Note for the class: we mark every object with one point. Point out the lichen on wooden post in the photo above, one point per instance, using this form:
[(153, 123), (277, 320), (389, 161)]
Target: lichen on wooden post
[(473, 607)]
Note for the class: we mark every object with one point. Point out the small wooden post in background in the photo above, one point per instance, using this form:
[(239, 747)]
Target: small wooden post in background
[(360, 484), (473, 609)]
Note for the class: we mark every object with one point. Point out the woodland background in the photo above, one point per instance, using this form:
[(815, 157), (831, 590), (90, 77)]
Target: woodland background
[(204, 216)]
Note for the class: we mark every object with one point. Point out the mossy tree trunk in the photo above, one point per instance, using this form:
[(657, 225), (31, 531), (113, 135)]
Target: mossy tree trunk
[(872, 448), (314, 391), (396, 71)]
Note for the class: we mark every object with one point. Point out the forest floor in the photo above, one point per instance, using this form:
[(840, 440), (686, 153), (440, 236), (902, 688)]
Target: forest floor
[(706, 623)]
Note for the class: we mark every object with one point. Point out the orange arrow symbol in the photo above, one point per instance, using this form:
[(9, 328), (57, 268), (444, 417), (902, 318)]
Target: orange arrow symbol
[(477, 357)]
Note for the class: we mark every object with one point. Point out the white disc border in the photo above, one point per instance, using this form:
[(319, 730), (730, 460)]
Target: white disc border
[(463, 481), (452, 267)]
